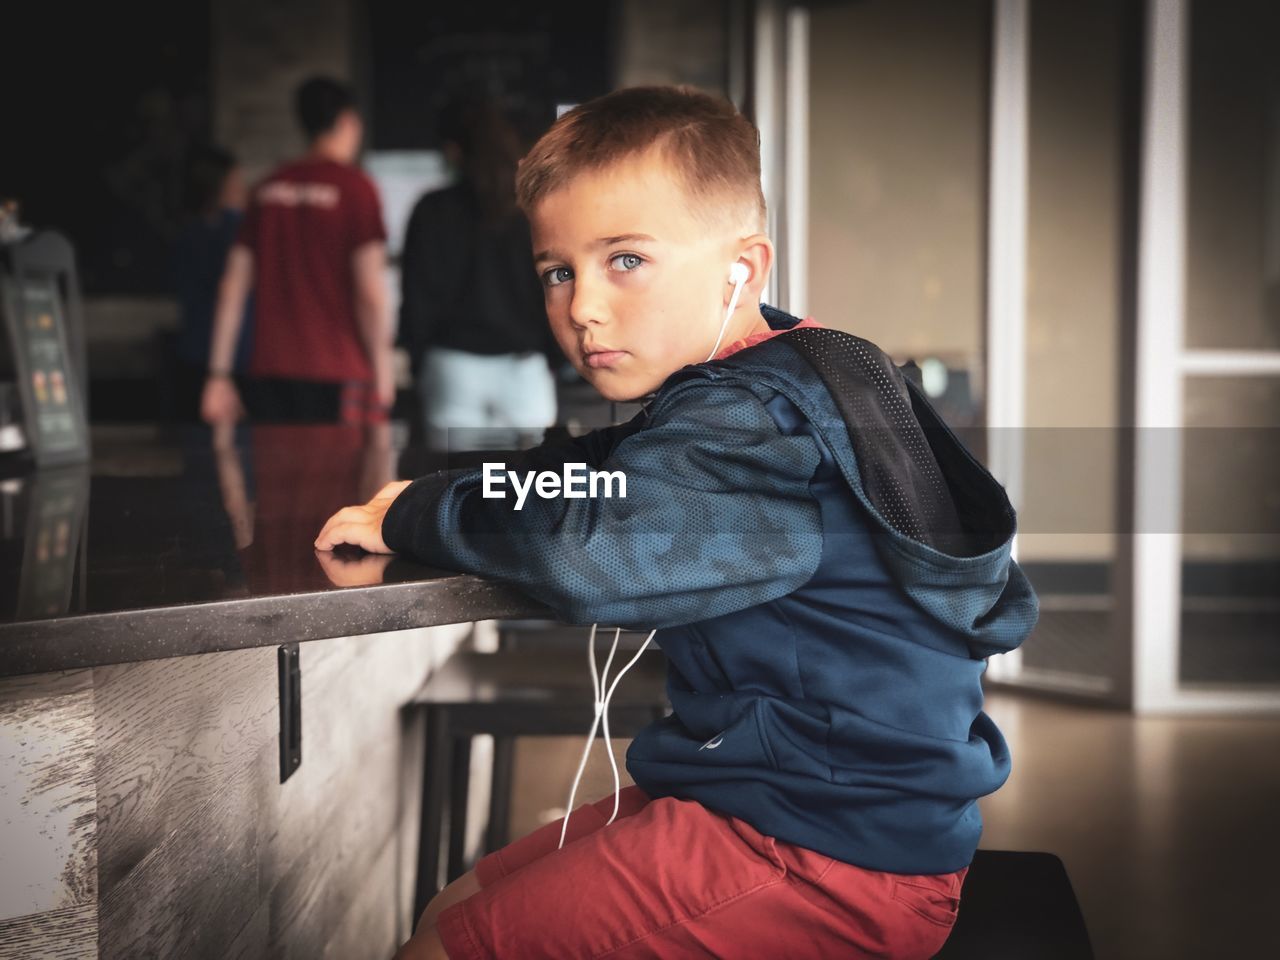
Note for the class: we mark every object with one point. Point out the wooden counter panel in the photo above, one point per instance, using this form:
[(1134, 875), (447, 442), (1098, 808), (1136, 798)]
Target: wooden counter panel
[(174, 736), (168, 831), (67, 934), (48, 860)]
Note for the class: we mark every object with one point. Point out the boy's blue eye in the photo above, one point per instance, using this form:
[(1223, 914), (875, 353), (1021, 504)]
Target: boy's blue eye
[(556, 276), (627, 261)]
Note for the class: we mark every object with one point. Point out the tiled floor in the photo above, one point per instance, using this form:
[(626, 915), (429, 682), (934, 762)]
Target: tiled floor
[(1170, 828)]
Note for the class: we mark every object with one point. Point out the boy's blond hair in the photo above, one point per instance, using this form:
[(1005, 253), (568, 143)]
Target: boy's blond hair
[(714, 149)]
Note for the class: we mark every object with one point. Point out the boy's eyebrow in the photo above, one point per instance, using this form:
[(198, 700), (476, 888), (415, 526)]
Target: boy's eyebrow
[(549, 254), (624, 238)]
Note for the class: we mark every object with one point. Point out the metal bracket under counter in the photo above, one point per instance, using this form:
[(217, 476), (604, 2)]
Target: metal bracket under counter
[(290, 668)]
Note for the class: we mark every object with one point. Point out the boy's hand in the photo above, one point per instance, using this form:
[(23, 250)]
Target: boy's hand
[(361, 526)]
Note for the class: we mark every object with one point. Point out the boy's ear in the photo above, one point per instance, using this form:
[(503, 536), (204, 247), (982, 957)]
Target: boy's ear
[(756, 252)]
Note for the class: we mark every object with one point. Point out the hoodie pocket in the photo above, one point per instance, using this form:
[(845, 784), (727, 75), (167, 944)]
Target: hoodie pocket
[(742, 743), (738, 744)]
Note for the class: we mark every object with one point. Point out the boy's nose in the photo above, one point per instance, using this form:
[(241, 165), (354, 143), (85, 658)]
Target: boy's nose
[(588, 306)]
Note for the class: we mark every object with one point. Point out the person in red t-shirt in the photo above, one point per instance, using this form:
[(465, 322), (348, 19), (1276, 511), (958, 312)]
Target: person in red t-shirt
[(313, 246)]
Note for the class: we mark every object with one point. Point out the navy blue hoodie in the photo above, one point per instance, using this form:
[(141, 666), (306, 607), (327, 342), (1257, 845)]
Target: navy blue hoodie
[(828, 568)]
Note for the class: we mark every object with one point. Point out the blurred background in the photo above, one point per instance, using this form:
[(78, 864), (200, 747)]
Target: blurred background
[(1065, 217)]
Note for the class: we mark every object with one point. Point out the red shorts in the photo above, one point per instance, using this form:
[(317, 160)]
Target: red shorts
[(670, 879)]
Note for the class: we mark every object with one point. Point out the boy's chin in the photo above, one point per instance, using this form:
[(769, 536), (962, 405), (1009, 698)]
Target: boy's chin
[(621, 389), (615, 395)]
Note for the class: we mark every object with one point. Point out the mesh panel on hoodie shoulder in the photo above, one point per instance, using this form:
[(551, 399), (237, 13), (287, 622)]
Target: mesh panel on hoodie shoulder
[(899, 471)]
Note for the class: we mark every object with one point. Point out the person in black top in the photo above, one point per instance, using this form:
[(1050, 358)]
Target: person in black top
[(472, 317)]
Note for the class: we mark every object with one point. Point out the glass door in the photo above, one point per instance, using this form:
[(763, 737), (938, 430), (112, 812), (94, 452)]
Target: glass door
[(1059, 211), (1207, 481)]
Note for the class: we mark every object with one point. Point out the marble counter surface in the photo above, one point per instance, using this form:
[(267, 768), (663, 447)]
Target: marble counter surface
[(174, 542)]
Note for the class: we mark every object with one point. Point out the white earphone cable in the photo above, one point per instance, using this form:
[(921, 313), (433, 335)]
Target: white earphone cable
[(599, 683), (738, 283)]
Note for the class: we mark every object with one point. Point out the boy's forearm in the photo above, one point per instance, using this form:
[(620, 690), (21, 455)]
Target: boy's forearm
[(228, 316), (591, 448), (608, 562), (681, 546)]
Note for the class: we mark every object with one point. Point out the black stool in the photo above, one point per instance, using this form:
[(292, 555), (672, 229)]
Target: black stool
[(515, 693), (562, 637), (1017, 906)]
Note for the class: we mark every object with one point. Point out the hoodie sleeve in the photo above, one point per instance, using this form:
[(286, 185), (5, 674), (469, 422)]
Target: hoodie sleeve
[(717, 517)]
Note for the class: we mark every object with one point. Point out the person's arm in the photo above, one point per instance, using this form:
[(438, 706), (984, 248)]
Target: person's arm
[(220, 401), (369, 269), (231, 483), (718, 516)]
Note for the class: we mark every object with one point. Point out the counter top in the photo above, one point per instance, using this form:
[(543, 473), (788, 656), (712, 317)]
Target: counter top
[(181, 541)]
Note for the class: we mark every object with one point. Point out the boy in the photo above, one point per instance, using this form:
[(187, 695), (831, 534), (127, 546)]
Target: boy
[(827, 566)]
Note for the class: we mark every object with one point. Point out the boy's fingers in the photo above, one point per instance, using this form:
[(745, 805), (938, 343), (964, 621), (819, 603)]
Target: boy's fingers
[(321, 538), (342, 516), (358, 525), (333, 532), (339, 533), (362, 534)]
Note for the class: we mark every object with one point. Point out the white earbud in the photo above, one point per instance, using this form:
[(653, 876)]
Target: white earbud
[(738, 274)]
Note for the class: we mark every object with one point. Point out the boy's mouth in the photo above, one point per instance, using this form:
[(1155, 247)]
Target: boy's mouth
[(603, 358)]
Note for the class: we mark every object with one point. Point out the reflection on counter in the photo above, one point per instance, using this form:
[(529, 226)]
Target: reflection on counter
[(52, 505), (350, 567), (186, 515)]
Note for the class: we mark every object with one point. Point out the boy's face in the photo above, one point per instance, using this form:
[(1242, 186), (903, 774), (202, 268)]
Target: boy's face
[(635, 282)]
